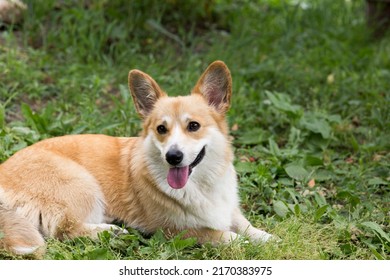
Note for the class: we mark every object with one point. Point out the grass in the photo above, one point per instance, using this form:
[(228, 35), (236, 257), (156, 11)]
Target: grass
[(310, 115)]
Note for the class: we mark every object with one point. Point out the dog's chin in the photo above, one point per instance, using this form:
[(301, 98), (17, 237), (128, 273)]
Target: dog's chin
[(178, 176)]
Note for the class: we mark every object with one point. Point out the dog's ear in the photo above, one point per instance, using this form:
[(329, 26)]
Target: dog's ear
[(215, 85), (145, 91)]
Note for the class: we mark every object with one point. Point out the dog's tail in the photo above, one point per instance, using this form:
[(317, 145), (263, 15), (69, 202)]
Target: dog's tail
[(18, 235)]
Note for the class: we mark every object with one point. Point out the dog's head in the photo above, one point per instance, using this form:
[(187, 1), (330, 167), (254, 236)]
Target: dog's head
[(185, 133)]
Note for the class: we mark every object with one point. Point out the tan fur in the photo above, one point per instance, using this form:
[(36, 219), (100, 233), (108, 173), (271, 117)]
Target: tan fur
[(18, 233), (72, 185)]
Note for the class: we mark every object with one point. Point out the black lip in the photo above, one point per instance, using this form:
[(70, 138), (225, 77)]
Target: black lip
[(198, 158)]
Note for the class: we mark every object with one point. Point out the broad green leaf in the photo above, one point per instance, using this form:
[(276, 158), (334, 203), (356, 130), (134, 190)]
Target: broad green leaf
[(245, 167), (158, 236), (180, 243), (98, 254), (297, 172), (295, 136), (273, 147), (251, 137), (320, 212), (321, 175), (320, 199), (317, 125), (375, 227), (334, 118), (291, 207), (312, 161), (280, 209), (286, 181), (377, 181), (293, 195), (283, 103)]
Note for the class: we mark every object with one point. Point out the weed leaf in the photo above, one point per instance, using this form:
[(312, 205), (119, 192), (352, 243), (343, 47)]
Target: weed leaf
[(320, 212), (245, 167), (98, 254), (317, 125), (251, 137), (377, 181), (376, 228), (296, 172), (282, 102), (273, 147), (320, 199), (34, 119), (280, 209), (323, 175)]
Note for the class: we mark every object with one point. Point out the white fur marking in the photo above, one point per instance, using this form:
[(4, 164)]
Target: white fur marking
[(24, 250), (103, 227), (97, 213), (258, 235)]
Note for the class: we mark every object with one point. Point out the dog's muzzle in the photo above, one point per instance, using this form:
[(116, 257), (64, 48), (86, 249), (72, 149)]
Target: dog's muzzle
[(178, 176), (198, 158)]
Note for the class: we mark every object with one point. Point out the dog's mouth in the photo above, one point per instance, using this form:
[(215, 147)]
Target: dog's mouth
[(178, 176)]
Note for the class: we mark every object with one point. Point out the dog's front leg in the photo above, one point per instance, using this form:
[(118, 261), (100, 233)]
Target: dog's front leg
[(242, 226)]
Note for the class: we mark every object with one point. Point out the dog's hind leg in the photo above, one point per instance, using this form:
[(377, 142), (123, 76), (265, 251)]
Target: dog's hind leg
[(19, 235), (70, 227)]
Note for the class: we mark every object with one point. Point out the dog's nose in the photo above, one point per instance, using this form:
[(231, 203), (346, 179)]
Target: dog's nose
[(174, 156)]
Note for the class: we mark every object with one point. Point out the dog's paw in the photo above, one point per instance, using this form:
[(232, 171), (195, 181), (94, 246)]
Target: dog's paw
[(114, 230), (260, 236), (229, 236)]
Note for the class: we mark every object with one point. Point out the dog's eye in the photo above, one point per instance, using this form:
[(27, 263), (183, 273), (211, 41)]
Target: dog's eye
[(161, 129), (193, 126)]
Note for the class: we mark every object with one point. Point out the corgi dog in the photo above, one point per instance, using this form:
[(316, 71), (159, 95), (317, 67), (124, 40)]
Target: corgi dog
[(178, 175)]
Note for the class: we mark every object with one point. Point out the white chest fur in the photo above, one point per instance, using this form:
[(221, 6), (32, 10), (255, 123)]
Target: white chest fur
[(206, 201)]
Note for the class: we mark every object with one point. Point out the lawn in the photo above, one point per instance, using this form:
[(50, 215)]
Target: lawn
[(310, 118)]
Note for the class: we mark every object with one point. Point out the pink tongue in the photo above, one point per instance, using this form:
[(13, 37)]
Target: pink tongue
[(178, 176)]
